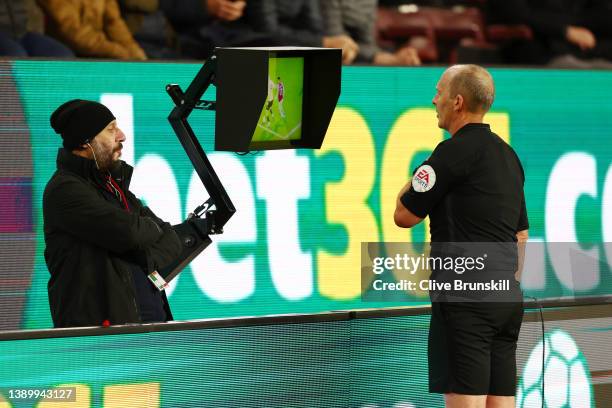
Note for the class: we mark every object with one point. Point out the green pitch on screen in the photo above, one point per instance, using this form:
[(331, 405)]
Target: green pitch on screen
[(281, 115)]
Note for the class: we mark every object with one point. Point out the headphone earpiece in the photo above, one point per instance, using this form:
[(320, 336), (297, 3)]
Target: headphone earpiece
[(93, 152)]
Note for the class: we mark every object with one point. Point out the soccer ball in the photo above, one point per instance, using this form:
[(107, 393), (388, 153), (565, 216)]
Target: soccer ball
[(567, 380)]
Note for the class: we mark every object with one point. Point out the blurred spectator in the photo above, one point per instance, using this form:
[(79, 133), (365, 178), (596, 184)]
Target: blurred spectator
[(204, 24), (21, 28), (429, 3), (568, 33), (226, 10), (151, 29), (92, 28), (356, 19), (299, 23)]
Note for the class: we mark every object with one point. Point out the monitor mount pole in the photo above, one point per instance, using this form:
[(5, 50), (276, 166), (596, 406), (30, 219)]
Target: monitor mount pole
[(210, 217)]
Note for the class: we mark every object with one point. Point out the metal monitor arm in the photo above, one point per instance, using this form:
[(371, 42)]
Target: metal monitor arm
[(185, 103), (211, 216)]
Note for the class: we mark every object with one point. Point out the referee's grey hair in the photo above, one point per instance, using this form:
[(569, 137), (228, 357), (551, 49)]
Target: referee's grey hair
[(475, 84)]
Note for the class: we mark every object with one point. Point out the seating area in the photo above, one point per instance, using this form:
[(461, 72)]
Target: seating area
[(556, 34), (442, 35)]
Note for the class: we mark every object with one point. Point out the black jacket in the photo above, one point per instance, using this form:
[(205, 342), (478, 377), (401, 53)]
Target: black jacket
[(92, 244)]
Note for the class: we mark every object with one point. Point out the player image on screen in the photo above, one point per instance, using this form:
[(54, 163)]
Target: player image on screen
[(280, 93), (269, 101), (281, 115)]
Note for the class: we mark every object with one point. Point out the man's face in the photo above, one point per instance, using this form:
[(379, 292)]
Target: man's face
[(107, 146), (443, 102)]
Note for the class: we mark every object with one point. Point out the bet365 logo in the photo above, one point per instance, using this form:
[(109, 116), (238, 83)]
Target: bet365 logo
[(566, 375), (285, 180)]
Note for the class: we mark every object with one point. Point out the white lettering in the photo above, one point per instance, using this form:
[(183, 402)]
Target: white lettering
[(606, 215), (434, 285), (221, 280), (122, 106), (283, 178), (574, 175)]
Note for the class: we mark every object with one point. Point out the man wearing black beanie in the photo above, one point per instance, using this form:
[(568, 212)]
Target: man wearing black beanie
[(101, 242)]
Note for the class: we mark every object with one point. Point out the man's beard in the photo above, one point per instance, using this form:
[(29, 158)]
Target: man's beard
[(104, 159)]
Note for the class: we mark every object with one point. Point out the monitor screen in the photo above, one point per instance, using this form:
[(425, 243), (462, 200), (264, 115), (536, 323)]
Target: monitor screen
[(284, 100), (281, 114)]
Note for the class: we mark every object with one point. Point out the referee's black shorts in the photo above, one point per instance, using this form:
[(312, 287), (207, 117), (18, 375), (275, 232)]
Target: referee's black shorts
[(472, 347)]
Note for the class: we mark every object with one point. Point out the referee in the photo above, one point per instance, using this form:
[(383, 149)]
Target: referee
[(472, 189)]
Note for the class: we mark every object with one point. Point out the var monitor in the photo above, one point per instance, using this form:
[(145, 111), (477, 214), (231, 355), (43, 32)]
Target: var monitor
[(275, 98)]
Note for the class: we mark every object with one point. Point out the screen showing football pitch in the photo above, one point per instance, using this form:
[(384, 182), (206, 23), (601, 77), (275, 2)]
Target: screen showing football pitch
[(281, 115)]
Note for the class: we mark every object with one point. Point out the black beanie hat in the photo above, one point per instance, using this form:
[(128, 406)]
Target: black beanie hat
[(78, 121)]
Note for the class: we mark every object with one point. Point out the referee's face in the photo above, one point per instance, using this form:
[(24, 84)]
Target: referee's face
[(443, 102)]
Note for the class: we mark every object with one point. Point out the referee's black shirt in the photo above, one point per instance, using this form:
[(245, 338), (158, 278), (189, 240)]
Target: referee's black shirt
[(471, 187)]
